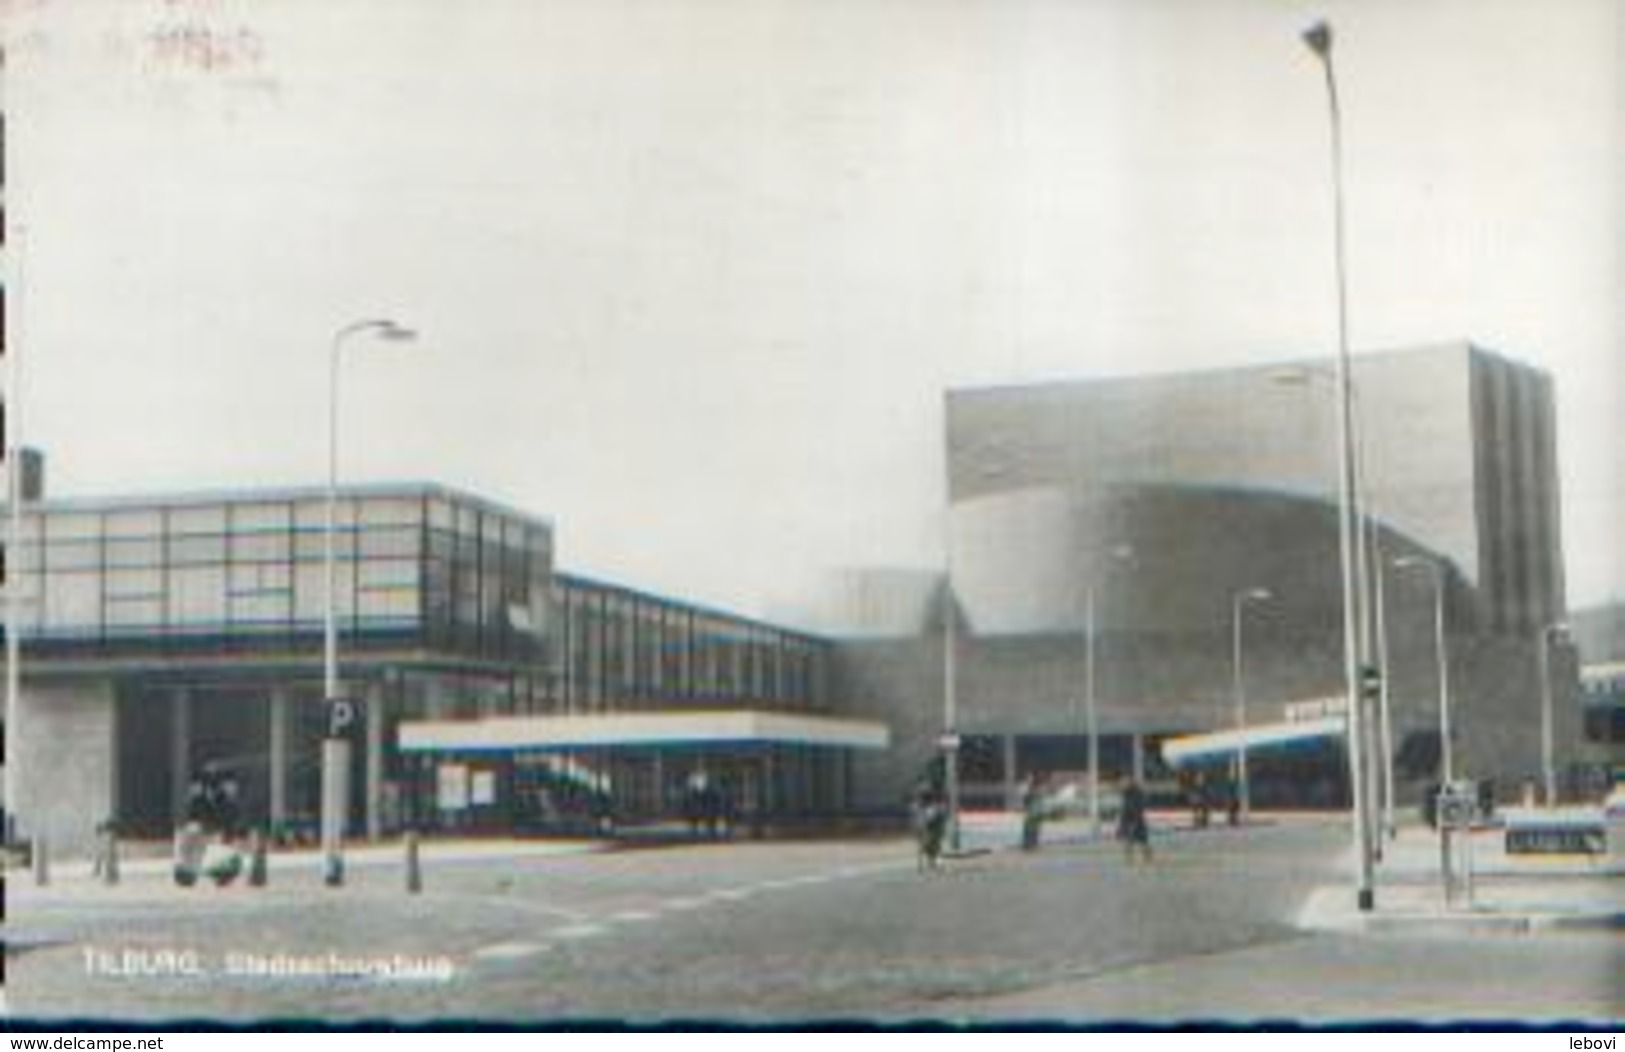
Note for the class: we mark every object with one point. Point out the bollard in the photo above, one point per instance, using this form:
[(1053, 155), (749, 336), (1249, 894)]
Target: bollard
[(414, 868), (109, 856), (257, 865), (42, 861)]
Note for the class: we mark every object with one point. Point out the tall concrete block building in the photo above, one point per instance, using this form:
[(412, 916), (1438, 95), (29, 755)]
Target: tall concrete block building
[(1146, 506)]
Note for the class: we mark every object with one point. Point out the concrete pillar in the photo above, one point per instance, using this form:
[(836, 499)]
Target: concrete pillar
[(65, 744), (1007, 767), (180, 753), (1136, 752), (375, 760), (280, 711)]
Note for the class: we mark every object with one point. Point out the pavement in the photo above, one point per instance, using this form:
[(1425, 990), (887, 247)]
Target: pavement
[(150, 858), (1212, 929), (1505, 894)]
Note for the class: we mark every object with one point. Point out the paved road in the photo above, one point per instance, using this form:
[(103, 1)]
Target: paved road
[(756, 931)]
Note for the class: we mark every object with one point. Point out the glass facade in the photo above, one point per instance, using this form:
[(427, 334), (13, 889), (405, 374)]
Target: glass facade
[(620, 649), (423, 567)]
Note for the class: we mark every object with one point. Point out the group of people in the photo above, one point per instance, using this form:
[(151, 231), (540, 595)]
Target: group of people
[(1204, 795), (930, 816), (204, 846)]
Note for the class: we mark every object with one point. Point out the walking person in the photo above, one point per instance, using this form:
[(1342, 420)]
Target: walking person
[(930, 815), (1132, 829), (1032, 812)]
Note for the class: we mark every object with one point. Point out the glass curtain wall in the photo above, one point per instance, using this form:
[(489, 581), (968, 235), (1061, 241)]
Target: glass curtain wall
[(418, 568), (620, 649)]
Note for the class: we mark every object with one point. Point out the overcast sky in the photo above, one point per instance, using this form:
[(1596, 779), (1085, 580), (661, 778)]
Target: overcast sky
[(693, 275)]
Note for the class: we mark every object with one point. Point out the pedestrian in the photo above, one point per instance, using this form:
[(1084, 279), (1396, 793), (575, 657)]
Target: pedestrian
[(930, 819), (1032, 811), (1132, 829), (1199, 800)]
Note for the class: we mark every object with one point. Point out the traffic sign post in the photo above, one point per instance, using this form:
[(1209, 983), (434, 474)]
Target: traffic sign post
[(341, 721), (1456, 810), (342, 715)]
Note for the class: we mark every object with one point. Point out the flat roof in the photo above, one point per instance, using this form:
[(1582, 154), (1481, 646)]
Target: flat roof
[(1265, 737), (248, 494), (640, 730)]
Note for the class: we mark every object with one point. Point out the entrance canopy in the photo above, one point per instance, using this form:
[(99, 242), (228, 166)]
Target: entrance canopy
[(1261, 739), (640, 730)]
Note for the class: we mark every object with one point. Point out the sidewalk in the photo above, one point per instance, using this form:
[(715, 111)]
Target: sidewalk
[(148, 870), (1509, 894)]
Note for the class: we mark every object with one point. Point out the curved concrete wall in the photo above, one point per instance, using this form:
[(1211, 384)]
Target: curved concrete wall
[(1024, 561)]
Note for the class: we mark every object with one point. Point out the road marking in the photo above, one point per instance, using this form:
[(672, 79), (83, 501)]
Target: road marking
[(632, 916), (522, 905), (684, 904), (509, 951), (579, 931), (731, 894)]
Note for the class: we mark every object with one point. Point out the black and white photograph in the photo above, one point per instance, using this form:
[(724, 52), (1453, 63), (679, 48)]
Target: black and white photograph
[(767, 514)]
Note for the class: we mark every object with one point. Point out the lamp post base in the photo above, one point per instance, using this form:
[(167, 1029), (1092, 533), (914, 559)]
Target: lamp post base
[(335, 808)]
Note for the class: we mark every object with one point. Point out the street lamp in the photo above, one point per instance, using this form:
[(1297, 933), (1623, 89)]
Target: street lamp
[(1368, 587), (1319, 40), (13, 551), (1091, 713), (950, 712), (1237, 605), (1548, 767), (335, 748), (1435, 572)]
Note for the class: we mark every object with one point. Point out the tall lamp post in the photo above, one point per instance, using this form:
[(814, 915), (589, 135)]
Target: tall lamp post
[(1368, 587), (336, 747), (1239, 691), (1091, 711), (1548, 765), (1435, 572), (1319, 40), (950, 712), (13, 552)]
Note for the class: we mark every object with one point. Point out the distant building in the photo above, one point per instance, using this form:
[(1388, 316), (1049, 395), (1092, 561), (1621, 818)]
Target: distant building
[(1599, 634)]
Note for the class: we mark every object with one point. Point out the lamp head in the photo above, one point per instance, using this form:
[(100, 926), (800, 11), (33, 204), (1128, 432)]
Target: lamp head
[(1258, 594), (1291, 375), (1319, 39), (389, 330)]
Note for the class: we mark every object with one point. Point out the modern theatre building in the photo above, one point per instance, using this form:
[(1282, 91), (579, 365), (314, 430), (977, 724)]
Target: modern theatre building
[(1181, 530)]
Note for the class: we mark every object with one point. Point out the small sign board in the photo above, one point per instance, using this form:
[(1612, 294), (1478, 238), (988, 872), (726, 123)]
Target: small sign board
[(1556, 831), (948, 741), (1557, 840), (482, 788), (1458, 805), (342, 714), (451, 787)]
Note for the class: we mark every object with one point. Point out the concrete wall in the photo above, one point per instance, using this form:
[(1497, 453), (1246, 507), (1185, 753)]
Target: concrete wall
[(1457, 448), (898, 681), (66, 763), (1033, 685)]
